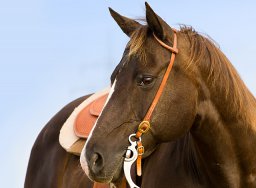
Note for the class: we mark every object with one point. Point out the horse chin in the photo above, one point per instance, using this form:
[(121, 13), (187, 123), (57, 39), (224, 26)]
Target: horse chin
[(104, 177), (117, 178), (100, 178), (118, 174)]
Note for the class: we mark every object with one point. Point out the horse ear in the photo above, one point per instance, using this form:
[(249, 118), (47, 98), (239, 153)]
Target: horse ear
[(157, 25), (126, 24)]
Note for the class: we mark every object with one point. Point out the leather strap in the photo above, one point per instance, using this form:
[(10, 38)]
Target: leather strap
[(100, 185), (174, 51), (140, 150), (145, 125), (123, 184)]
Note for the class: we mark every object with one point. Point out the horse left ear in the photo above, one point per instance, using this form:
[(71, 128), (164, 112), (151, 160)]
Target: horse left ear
[(160, 28), (127, 25)]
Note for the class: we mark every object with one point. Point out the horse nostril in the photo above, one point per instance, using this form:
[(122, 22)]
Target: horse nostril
[(96, 162)]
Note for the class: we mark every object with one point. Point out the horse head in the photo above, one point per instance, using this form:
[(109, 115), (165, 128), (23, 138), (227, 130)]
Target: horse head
[(135, 82)]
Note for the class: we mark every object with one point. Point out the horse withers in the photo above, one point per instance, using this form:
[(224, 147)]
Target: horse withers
[(205, 112)]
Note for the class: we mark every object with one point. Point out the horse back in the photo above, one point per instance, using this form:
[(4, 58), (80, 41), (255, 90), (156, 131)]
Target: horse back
[(49, 164)]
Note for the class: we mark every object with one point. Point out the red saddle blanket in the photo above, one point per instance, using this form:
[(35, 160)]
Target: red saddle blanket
[(87, 117)]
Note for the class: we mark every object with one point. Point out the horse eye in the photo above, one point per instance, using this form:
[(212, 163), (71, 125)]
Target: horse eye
[(145, 80)]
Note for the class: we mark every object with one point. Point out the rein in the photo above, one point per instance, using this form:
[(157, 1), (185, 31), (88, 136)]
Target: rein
[(136, 149)]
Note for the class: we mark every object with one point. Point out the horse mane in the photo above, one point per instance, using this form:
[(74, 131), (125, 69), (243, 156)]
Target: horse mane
[(222, 76), (137, 42)]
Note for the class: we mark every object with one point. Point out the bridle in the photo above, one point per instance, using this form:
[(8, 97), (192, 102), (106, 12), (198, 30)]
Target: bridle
[(145, 125), (136, 149)]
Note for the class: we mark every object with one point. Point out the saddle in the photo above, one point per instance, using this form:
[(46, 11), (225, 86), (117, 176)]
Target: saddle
[(88, 116), (78, 126)]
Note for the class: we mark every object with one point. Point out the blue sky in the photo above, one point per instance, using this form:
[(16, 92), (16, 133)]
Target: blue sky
[(53, 51)]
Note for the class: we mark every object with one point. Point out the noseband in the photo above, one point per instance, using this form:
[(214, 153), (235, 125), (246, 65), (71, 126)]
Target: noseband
[(136, 149)]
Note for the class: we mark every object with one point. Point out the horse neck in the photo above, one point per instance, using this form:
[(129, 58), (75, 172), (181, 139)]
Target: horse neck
[(225, 140)]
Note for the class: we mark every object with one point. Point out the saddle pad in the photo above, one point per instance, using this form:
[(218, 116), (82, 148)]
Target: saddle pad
[(87, 117), (68, 138)]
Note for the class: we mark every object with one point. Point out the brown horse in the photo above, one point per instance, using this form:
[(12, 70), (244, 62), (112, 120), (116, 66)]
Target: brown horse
[(49, 164), (206, 113)]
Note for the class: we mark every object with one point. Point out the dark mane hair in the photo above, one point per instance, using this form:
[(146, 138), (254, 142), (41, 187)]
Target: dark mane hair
[(222, 76)]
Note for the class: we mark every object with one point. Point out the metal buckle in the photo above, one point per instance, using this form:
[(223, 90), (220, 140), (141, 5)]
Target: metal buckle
[(144, 127), (142, 150)]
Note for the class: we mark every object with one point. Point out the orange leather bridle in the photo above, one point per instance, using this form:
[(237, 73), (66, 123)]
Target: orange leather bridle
[(145, 124)]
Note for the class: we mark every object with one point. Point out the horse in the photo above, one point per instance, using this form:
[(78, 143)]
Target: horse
[(204, 119), (49, 164), (52, 166)]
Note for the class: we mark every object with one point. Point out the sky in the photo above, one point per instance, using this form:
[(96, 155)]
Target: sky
[(54, 51)]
